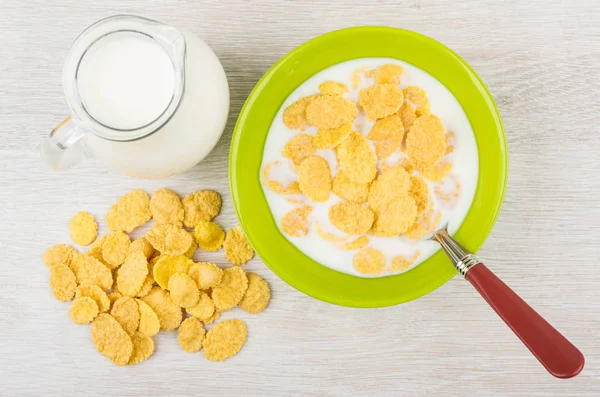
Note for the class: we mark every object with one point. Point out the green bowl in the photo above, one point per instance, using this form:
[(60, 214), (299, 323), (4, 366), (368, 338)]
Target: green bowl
[(250, 134)]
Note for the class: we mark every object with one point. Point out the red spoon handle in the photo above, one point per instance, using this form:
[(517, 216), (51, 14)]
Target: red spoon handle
[(559, 356)]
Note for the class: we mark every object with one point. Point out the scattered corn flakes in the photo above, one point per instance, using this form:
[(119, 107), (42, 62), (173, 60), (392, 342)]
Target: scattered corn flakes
[(298, 148), (191, 335), (205, 274), (169, 239), (209, 236), (294, 116), (329, 236), (231, 289), (96, 293), (143, 347), (126, 311), (408, 116), (426, 141), (387, 135), (113, 297), (115, 248), (146, 286), (314, 178), (166, 207), (89, 271), (388, 74), (141, 244), (419, 191), (257, 295), (204, 309), (333, 88), (202, 205), (437, 172), (358, 243), (330, 111), (357, 159), (394, 182), (295, 222), (184, 290), (351, 217), (169, 265), (418, 98), (425, 224), (380, 100), (212, 318), (398, 217), (369, 261), (169, 314), (349, 190), (149, 323), (237, 248), (278, 187), (132, 274), (95, 250), (83, 310), (130, 211), (83, 228), (59, 253), (329, 138), (225, 340), (111, 340)]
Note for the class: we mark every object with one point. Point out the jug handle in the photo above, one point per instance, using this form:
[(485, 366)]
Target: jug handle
[(63, 147)]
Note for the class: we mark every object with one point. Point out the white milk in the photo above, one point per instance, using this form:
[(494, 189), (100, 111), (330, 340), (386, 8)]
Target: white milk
[(126, 80), (464, 171)]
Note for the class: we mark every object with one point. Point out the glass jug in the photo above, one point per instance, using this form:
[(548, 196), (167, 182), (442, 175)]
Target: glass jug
[(145, 99)]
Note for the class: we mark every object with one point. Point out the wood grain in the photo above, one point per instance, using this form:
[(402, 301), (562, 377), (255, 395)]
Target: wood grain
[(539, 59)]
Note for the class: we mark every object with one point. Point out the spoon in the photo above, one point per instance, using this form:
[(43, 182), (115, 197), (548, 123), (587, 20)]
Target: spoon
[(559, 356)]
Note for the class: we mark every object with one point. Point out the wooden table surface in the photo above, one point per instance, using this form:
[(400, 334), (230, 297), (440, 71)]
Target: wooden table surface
[(540, 61)]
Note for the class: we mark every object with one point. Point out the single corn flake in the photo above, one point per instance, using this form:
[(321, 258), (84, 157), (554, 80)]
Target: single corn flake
[(113, 297), (387, 135), (418, 98), (111, 340), (183, 289), (408, 116), (130, 211), (329, 236), (389, 73), (294, 116), (192, 250), (209, 236), (426, 223), (400, 263), (330, 111), (115, 248), (397, 218), (349, 190), (168, 266), (380, 100), (314, 178), (357, 159), (149, 323), (298, 148), (225, 340), (437, 172), (83, 310), (127, 312), (419, 191), (202, 205), (257, 295), (276, 186), (333, 88), (143, 347), (369, 261), (329, 138), (166, 207), (96, 293), (392, 183), (237, 248), (358, 243), (191, 335), (63, 282), (356, 76), (351, 217), (212, 318), (59, 253), (169, 239), (205, 274), (204, 309), (83, 228), (132, 274), (142, 244), (295, 222), (231, 289), (89, 271), (426, 142), (169, 314)]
